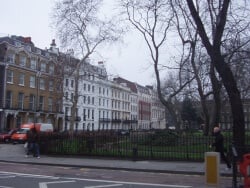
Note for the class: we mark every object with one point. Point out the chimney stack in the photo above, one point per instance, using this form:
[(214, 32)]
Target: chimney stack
[(53, 44), (27, 39)]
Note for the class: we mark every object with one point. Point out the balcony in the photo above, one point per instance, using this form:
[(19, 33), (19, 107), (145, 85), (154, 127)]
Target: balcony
[(77, 118), (130, 121), (116, 120), (104, 120)]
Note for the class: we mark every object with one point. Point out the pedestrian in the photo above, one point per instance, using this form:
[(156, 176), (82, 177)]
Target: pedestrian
[(33, 146), (90, 142), (219, 145)]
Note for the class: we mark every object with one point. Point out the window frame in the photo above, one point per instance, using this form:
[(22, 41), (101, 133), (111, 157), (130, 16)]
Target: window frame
[(10, 76)]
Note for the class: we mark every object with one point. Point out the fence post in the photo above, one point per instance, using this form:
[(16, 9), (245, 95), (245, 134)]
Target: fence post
[(234, 160), (135, 153)]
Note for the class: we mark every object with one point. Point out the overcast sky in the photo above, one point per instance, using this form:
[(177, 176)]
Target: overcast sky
[(33, 18)]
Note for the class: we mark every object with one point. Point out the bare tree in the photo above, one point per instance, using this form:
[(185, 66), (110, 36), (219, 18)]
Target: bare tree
[(153, 20), (81, 26), (211, 35)]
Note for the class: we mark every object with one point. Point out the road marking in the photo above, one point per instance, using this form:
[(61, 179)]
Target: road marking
[(28, 175), (97, 180), (3, 177), (44, 184), (5, 187), (130, 183), (113, 185)]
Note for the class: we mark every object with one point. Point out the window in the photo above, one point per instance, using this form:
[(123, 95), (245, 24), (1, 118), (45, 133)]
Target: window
[(93, 113), (84, 114), (10, 75), (66, 95), (28, 48), (88, 87), (41, 103), (93, 100), (67, 82), (50, 104), (21, 79), (38, 51), (88, 113), (11, 58), (76, 112), (84, 87), (22, 61), (88, 99), (51, 69), (43, 67), (93, 89), (51, 85), (33, 64), (18, 44), (20, 100), (72, 83), (32, 102), (8, 99), (72, 96), (42, 83), (58, 106), (66, 111), (32, 82)]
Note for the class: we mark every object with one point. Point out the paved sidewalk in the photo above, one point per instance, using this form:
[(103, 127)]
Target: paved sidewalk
[(15, 153)]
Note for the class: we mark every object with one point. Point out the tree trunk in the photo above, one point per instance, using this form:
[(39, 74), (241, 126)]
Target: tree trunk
[(234, 98), (215, 117), (214, 51)]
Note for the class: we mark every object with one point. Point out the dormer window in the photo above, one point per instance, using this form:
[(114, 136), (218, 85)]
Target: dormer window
[(18, 44), (11, 58), (38, 51), (28, 48), (22, 61)]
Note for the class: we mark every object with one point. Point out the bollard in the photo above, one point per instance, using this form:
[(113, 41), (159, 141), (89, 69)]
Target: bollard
[(212, 163)]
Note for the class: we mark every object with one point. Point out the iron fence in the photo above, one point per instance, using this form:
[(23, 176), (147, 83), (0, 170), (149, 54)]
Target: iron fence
[(151, 145)]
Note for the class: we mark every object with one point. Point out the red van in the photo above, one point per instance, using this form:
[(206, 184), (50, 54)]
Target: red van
[(21, 135)]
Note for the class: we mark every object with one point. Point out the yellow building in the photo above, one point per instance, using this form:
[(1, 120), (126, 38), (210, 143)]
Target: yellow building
[(30, 84)]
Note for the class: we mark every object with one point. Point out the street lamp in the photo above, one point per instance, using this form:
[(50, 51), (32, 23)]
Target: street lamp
[(38, 75)]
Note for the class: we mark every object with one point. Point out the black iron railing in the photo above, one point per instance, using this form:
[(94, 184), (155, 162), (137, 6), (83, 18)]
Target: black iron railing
[(151, 145)]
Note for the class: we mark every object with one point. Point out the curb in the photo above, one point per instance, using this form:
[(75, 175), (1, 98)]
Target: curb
[(114, 168)]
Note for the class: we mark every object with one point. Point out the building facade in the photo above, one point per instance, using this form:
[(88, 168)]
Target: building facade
[(30, 86), (48, 86)]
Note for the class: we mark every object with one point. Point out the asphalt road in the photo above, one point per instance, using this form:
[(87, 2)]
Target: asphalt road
[(42, 176)]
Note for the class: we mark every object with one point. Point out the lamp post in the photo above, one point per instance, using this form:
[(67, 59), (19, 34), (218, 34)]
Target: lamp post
[(38, 75)]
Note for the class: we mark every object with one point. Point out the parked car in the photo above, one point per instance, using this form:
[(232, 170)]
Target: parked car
[(123, 132), (21, 134), (6, 137)]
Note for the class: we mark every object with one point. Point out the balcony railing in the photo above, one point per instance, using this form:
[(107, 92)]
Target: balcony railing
[(104, 120), (77, 118)]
